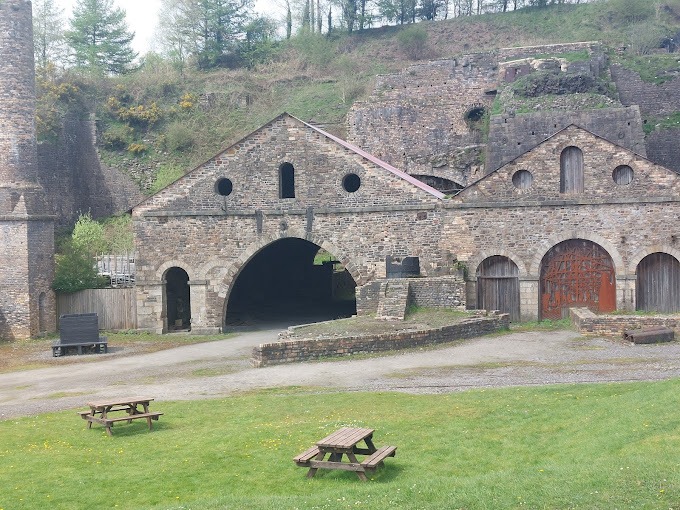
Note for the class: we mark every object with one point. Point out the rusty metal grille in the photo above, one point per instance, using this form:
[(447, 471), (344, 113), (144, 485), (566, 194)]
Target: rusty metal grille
[(577, 273)]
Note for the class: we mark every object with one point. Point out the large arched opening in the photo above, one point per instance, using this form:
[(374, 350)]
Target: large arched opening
[(576, 272), (290, 281)]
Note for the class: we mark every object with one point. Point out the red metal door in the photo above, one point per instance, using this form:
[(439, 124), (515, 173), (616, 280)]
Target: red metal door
[(577, 273)]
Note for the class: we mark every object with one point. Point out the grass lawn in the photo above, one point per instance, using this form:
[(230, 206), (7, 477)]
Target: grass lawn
[(589, 446)]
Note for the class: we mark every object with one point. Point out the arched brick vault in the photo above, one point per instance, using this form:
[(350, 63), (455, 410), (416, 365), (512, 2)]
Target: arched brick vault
[(234, 268), (641, 254), (163, 268), (479, 257), (535, 265)]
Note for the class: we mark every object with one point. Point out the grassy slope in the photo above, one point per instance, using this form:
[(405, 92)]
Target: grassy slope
[(317, 80), (587, 447)]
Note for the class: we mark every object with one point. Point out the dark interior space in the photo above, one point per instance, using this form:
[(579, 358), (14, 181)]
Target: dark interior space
[(282, 284), (178, 299)]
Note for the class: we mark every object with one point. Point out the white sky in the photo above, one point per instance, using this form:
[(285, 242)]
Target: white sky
[(142, 17)]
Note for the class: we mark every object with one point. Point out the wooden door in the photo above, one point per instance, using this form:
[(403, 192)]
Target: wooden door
[(571, 170), (658, 283), (498, 286), (576, 273)]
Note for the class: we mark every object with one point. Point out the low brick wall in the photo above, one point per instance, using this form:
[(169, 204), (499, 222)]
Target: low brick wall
[(304, 350), (588, 323)]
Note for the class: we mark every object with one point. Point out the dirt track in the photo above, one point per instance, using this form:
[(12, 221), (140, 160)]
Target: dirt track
[(216, 369)]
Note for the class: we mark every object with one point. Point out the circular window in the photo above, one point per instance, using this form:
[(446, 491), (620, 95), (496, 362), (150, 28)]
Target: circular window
[(522, 179), (622, 174), (224, 187), (351, 182)]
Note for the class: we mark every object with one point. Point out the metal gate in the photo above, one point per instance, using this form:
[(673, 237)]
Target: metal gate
[(498, 286), (576, 273), (658, 283)]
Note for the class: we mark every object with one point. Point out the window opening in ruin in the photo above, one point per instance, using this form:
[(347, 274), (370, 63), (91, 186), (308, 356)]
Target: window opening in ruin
[(286, 181), (571, 170), (224, 187), (476, 114), (290, 280), (622, 174), (446, 186), (351, 183), (177, 299), (657, 285), (522, 179)]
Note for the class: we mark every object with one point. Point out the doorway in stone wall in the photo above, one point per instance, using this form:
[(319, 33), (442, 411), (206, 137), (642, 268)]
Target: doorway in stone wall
[(177, 299), (658, 284), (290, 281), (498, 286), (576, 273)]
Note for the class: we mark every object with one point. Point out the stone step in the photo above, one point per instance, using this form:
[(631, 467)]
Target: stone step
[(393, 300)]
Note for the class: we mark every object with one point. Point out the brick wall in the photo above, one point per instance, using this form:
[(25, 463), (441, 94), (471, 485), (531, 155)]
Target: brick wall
[(513, 135), (588, 323), (303, 350), (653, 99)]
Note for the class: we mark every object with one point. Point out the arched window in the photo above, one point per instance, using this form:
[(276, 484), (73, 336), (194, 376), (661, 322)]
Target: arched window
[(571, 170), (286, 181)]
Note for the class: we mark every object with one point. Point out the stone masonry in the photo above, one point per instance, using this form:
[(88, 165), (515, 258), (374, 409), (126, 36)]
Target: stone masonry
[(27, 304)]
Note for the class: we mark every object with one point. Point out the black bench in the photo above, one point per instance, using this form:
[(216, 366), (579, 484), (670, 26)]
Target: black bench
[(79, 330)]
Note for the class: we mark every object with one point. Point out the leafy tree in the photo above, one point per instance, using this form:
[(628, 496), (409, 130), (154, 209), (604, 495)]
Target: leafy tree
[(75, 269), (259, 44), (99, 37), (89, 235), (48, 34), (207, 29)]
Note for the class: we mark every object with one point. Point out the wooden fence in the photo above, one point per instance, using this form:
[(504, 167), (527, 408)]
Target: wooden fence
[(117, 308)]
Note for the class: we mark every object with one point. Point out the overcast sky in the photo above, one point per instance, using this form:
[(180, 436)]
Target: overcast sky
[(142, 17)]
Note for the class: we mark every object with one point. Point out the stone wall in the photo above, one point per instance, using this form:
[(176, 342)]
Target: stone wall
[(589, 323), (513, 135), (304, 350), (447, 292), (653, 99), (663, 147), (76, 181)]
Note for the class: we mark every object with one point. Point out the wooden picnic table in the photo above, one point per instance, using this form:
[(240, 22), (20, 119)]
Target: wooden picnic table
[(99, 412), (344, 442)]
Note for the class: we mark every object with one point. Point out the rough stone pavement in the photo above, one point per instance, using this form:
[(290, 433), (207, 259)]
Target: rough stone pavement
[(221, 368)]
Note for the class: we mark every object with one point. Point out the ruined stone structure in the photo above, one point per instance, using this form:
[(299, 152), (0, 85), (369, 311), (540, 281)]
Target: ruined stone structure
[(27, 304)]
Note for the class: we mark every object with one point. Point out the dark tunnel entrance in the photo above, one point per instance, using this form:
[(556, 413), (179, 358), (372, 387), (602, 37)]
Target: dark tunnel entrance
[(290, 281)]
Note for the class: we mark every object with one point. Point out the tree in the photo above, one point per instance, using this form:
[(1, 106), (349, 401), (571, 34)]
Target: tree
[(75, 270), (48, 34), (99, 37)]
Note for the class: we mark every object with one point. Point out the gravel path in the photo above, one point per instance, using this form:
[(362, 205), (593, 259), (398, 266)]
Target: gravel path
[(221, 368)]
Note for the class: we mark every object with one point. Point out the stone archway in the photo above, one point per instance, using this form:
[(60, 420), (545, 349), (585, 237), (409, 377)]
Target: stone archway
[(576, 272), (280, 281)]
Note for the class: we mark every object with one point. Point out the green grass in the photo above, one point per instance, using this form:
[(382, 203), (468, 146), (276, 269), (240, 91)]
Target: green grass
[(671, 121), (655, 69), (591, 446)]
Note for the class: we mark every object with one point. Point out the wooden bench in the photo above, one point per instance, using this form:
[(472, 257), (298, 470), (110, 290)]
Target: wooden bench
[(303, 459), (376, 459), (79, 330)]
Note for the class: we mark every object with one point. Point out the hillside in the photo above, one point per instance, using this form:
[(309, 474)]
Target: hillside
[(156, 123)]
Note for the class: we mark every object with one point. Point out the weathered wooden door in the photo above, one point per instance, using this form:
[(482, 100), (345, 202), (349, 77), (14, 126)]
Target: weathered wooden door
[(498, 286), (571, 170), (658, 283), (576, 273)]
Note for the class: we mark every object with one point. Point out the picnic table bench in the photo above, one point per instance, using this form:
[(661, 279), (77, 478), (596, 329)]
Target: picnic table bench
[(344, 442), (99, 412), (79, 330)]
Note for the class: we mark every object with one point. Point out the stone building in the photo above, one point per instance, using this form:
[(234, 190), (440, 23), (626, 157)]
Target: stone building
[(575, 221), (27, 304)]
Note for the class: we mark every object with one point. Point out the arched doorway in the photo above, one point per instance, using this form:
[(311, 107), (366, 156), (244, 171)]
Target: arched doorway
[(658, 284), (177, 299), (498, 286), (576, 273), (290, 281)]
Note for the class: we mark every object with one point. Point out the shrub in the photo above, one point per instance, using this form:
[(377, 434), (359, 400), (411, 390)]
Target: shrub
[(137, 148), (117, 137), (178, 137), (75, 270), (413, 42)]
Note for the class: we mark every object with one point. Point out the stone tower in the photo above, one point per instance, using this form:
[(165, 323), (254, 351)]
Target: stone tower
[(27, 303)]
